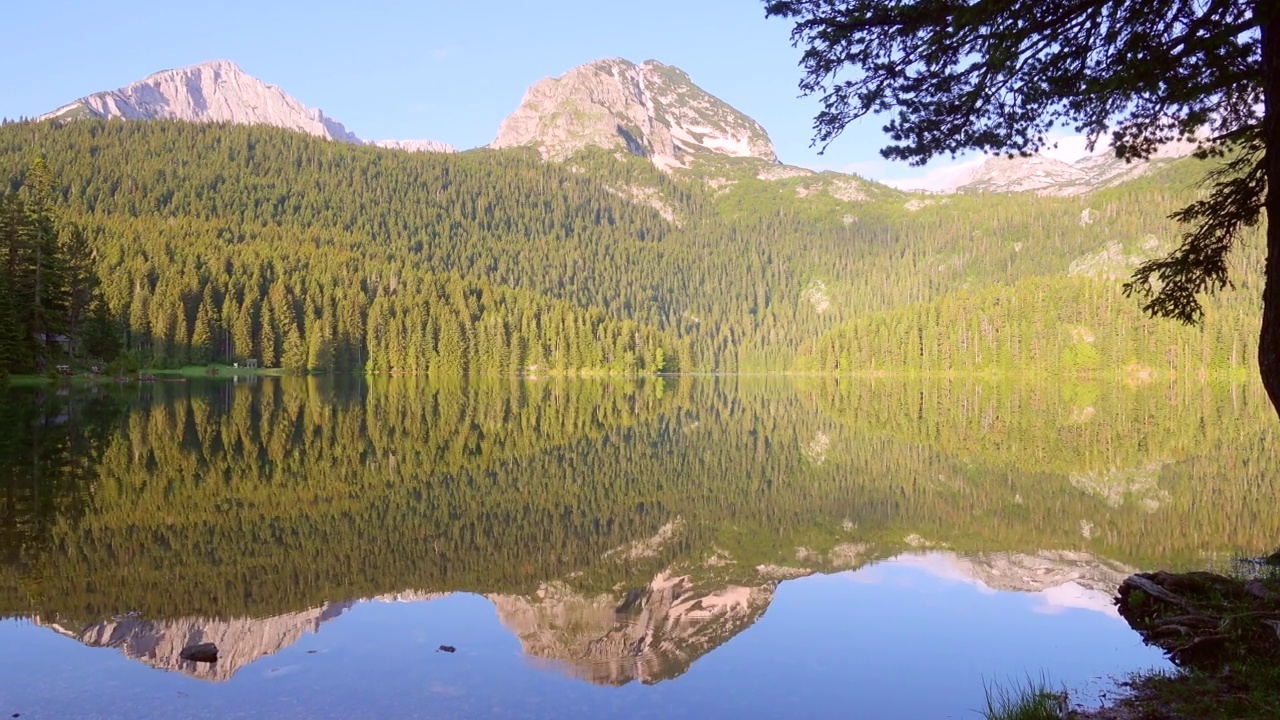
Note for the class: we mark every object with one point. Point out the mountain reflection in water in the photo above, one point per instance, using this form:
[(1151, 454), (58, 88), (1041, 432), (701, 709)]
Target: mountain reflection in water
[(620, 529)]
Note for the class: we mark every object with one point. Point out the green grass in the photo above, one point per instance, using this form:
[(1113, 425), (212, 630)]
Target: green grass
[(1238, 677), (200, 371), (188, 371), (1029, 699), (1250, 691)]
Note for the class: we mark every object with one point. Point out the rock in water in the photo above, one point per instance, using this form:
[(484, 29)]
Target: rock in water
[(204, 652)]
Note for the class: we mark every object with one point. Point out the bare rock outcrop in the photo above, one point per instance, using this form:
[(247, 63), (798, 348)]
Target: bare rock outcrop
[(216, 91), (651, 110), (219, 91)]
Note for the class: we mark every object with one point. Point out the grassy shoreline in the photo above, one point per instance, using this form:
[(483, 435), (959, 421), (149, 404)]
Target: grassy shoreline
[(1249, 691), (1222, 632), (82, 375)]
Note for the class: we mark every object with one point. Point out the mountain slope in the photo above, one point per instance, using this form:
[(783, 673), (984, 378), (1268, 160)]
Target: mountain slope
[(651, 110), (218, 91), (747, 276)]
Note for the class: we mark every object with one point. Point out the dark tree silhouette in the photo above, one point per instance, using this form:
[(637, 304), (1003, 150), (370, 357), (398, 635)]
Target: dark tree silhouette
[(998, 75)]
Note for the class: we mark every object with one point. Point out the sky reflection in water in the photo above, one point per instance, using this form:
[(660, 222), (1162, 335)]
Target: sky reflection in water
[(907, 638)]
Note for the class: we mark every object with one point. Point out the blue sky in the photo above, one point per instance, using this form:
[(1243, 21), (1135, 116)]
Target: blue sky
[(448, 71)]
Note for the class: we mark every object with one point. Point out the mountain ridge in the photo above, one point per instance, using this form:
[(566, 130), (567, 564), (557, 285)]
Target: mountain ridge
[(219, 91), (648, 109), (1044, 175)]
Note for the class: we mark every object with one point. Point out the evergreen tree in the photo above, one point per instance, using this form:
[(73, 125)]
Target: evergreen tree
[(294, 354), (81, 278), (10, 331), (202, 334), (320, 354), (45, 292), (101, 331)]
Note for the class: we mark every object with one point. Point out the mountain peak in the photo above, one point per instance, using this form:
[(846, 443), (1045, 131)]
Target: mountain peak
[(651, 110), (214, 91), (217, 91), (217, 65)]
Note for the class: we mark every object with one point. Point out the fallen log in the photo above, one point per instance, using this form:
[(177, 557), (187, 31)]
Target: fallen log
[(1201, 619)]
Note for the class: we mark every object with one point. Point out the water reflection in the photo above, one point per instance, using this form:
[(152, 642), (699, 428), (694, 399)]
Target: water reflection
[(618, 531)]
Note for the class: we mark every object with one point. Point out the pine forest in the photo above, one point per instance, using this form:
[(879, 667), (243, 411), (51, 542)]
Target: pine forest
[(166, 244)]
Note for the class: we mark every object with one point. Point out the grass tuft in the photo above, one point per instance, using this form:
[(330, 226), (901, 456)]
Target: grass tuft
[(1030, 699)]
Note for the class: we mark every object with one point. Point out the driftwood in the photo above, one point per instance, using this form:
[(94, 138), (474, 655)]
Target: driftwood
[(1201, 619), (1148, 586)]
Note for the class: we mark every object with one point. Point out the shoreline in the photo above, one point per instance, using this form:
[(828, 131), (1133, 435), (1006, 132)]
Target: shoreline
[(1222, 634)]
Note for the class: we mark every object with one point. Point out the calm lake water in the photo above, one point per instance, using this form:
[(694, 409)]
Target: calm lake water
[(676, 548)]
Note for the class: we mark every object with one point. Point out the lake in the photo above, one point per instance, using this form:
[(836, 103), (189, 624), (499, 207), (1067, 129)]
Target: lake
[(652, 548)]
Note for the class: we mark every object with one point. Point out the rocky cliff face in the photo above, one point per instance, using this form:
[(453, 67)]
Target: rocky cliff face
[(650, 634), (218, 91), (652, 110)]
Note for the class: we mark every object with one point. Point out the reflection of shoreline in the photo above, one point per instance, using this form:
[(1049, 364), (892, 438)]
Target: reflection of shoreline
[(650, 633)]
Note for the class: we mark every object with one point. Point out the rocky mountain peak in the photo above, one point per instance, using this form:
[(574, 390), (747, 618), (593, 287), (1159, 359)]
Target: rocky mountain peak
[(218, 91), (215, 91), (651, 110)]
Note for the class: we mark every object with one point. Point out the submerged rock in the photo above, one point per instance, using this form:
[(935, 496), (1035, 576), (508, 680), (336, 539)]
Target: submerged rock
[(204, 652)]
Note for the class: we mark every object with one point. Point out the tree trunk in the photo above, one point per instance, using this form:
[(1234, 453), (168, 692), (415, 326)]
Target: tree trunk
[(1268, 14)]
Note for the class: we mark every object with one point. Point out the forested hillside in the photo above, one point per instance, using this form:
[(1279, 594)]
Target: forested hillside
[(225, 243), (281, 494)]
